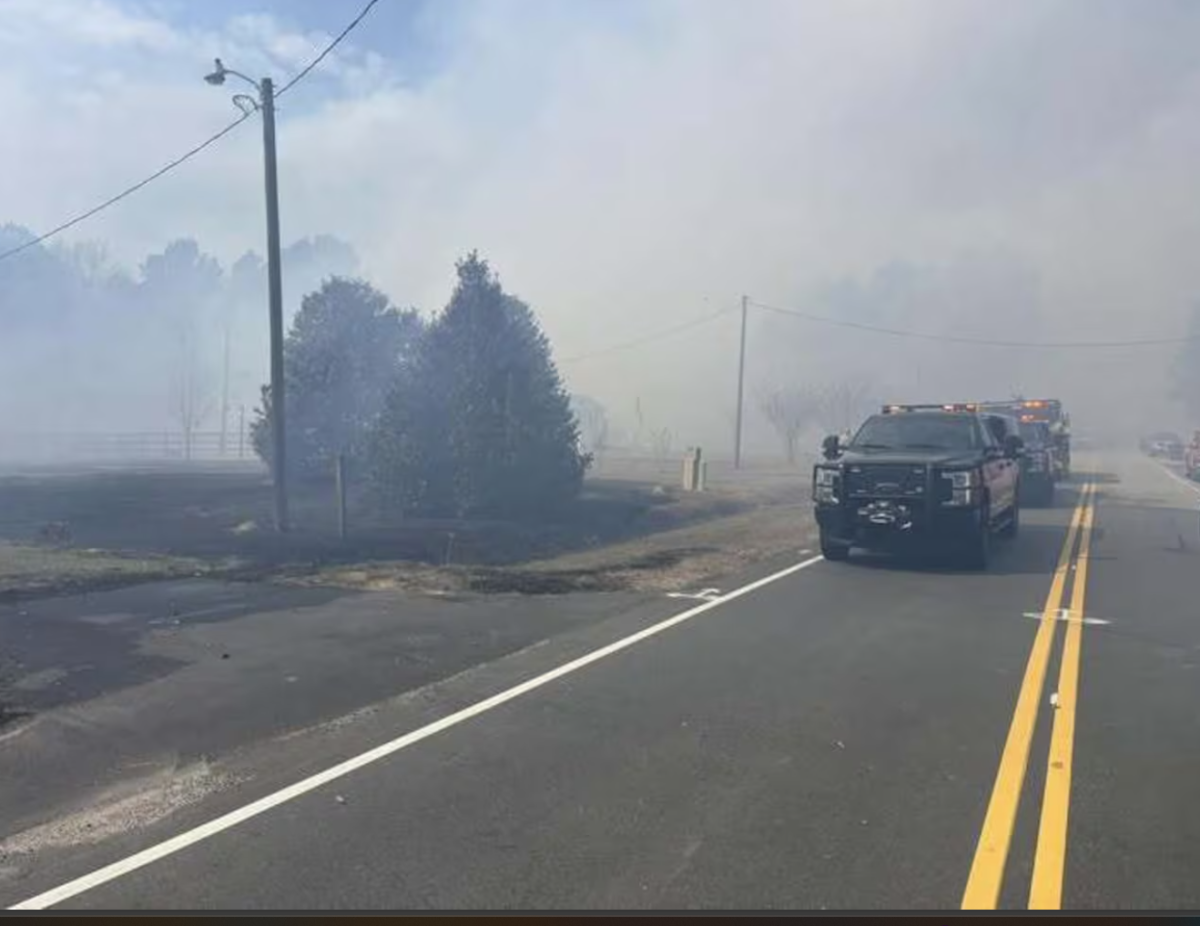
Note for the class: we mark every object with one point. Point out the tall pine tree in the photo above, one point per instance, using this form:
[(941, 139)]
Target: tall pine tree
[(483, 426)]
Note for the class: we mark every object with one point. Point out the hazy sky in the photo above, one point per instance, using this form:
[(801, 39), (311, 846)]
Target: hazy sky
[(632, 164)]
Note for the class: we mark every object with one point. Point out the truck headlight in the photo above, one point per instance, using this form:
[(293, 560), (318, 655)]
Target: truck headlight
[(962, 479), (827, 476), (825, 485), (963, 483)]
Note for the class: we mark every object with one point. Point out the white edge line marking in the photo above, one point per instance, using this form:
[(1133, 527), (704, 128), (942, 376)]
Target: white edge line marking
[(1187, 484), (205, 830)]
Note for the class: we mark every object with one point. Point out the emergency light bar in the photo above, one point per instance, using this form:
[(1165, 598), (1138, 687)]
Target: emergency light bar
[(951, 407), (1050, 405)]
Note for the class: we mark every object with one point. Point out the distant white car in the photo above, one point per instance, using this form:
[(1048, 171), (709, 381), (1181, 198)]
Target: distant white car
[(1164, 446)]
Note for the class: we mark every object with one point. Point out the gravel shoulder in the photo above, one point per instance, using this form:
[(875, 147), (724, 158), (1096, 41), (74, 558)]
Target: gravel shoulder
[(664, 561)]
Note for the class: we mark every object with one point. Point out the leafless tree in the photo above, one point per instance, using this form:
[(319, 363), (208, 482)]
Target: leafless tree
[(92, 260), (192, 391), (661, 441), (789, 410), (600, 440), (840, 406)]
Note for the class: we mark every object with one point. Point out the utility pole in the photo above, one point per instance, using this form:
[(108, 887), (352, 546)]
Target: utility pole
[(266, 105), (225, 392), (741, 390), (275, 290)]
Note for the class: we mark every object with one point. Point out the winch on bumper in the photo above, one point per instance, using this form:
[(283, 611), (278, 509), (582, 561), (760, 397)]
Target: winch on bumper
[(883, 524), (889, 507)]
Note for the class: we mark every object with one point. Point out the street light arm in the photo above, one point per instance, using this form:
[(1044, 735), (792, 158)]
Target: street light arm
[(251, 81), (217, 77)]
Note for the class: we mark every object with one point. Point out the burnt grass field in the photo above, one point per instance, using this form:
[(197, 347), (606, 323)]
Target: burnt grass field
[(66, 530)]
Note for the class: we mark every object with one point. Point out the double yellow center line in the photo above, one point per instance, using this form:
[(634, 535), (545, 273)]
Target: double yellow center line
[(991, 853)]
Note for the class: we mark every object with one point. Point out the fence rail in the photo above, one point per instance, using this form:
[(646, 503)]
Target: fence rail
[(128, 445), (233, 446)]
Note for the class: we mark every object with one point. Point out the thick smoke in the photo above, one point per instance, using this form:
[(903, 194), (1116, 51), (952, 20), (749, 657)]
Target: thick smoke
[(91, 347), (962, 167)]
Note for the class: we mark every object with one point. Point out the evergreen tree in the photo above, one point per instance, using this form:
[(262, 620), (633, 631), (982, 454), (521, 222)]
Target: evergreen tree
[(346, 347), (482, 426)]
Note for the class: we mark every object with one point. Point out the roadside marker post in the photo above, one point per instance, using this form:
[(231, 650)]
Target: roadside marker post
[(339, 491)]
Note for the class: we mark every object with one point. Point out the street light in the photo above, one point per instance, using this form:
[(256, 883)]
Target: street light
[(217, 77), (266, 104)]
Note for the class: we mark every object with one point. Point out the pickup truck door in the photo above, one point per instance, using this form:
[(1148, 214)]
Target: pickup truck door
[(1012, 474), (1000, 473)]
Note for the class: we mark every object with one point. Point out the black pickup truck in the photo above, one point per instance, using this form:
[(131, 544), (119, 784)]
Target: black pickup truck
[(1039, 471), (919, 476), (1047, 414)]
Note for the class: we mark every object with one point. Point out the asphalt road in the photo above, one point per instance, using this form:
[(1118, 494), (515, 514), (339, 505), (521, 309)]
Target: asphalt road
[(864, 735)]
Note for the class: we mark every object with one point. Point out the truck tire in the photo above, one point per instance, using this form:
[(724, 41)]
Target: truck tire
[(1013, 526), (977, 551), (833, 551)]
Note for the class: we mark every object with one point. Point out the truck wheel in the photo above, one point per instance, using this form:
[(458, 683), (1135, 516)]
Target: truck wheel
[(834, 551), (1013, 527), (977, 552)]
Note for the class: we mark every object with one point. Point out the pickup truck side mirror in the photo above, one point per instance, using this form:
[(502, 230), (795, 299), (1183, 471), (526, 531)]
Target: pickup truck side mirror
[(1014, 446), (831, 447)]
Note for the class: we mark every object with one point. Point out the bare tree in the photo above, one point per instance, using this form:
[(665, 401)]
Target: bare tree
[(838, 407), (661, 441), (91, 259), (192, 393), (600, 441), (789, 410)]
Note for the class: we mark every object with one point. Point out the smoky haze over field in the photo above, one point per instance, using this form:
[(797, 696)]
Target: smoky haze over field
[(953, 167)]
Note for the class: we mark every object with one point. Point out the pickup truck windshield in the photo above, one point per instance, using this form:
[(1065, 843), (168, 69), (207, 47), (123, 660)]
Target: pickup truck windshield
[(917, 431)]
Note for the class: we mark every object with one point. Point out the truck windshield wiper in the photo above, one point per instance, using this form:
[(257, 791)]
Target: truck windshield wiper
[(925, 446), (868, 445)]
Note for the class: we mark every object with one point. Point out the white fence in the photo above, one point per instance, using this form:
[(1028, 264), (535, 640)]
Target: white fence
[(118, 447)]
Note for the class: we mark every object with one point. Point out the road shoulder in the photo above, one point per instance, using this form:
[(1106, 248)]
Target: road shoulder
[(244, 701)]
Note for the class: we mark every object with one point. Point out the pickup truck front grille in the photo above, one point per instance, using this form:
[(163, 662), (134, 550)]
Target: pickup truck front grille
[(885, 480)]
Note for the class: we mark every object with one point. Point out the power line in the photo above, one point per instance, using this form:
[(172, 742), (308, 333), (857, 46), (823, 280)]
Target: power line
[(192, 152), (655, 336), (128, 191), (328, 48), (956, 339)]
